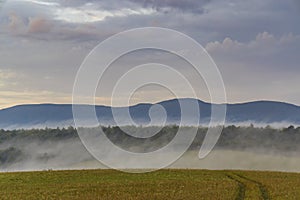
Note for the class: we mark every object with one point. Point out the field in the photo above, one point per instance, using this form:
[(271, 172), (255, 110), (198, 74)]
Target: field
[(164, 184)]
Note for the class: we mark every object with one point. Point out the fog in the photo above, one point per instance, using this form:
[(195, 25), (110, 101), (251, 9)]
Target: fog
[(38, 155), (245, 148), (67, 123)]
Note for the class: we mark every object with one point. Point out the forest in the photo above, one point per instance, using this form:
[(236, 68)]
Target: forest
[(42, 145)]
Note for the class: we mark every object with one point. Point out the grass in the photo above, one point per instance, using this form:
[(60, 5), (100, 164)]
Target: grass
[(164, 184)]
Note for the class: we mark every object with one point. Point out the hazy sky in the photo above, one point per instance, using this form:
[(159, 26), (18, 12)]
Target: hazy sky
[(255, 43)]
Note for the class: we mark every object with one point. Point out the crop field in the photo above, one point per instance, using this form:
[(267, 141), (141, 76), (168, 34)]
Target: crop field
[(164, 184)]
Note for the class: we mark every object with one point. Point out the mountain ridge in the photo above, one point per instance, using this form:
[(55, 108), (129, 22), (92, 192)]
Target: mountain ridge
[(238, 103), (32, 115)]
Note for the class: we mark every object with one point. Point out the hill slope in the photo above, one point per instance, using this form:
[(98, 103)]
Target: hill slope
[(52, 115)]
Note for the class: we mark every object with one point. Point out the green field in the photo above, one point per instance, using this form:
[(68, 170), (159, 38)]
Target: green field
[(164, 184)]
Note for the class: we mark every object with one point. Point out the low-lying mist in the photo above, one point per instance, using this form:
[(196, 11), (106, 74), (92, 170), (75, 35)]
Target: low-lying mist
[(251, 148)]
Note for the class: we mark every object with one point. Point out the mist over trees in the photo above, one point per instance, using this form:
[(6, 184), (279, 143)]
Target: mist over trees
[(62, 146)]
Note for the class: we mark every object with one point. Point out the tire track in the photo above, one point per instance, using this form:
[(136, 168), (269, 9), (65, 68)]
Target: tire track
[(263, 190), (241, 190)]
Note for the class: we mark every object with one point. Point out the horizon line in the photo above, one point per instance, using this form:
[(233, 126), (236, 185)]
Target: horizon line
[(149, 103)]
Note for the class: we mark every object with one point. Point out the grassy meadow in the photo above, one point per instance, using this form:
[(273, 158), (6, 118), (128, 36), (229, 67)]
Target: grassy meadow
[(163, 184)]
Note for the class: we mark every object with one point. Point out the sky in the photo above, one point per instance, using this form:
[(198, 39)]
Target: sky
[(254, 43)]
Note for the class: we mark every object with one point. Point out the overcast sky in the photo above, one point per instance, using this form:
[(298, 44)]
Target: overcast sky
[(255, 43)]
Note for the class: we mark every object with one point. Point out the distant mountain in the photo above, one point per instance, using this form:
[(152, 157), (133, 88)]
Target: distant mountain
[(52, 115)]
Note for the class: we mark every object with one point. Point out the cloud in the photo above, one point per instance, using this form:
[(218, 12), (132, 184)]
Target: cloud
[(220, 19), (266, 67), (264, 48), (255, 43), (8, 79), (38, 2), (55, 21), (1, 3), (7, 74), (194, 6), (88, 15), (16, 23), (39, 25), (44, 28), (10, 98)]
